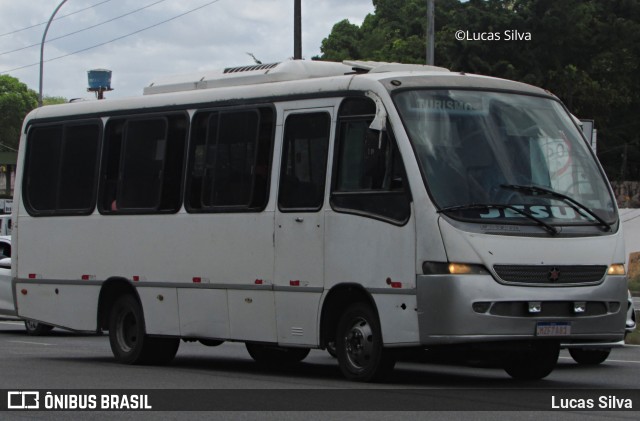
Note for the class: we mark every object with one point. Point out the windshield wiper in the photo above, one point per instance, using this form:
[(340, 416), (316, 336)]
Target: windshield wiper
[(575, 205), (549, 228)]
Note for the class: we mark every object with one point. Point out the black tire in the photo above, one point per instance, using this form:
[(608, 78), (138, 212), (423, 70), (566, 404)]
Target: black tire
[(36, 328), (533, 363), (589, 356), (331, 349), (128, 339), (276, 355), (359, 346)]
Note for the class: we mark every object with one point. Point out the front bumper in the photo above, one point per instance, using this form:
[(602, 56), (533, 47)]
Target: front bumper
[(449, 313)]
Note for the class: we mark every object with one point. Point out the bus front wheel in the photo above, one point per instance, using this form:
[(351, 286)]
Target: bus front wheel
[(589, 356), (129, 342), (533, 363), (359, 346)]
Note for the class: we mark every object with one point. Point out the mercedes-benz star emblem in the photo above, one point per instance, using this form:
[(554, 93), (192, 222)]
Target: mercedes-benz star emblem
[(553, 275)]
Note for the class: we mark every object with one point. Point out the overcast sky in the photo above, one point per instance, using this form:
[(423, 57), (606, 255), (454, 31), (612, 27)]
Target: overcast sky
[(215, 36)]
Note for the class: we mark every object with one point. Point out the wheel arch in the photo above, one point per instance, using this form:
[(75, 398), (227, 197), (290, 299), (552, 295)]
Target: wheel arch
[(112, 289), (338, 299)]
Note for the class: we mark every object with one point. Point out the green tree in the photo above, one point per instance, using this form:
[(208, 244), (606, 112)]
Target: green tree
[(343, 43), (587, 52), (16, 100), (53, 100)]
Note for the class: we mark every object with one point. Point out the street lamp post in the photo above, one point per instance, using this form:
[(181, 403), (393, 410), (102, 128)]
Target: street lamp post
[(430, 32), (297, 30), (44, 37)]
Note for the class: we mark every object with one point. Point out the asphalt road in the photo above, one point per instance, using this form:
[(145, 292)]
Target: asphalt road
[(65, 360)]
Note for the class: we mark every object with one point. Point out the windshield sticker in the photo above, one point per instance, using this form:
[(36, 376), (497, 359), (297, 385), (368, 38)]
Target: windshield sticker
[(559, 161), (538, 211), (448, 104)]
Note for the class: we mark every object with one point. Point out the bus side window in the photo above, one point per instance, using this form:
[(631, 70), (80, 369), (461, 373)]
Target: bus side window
[(61, 168), (304, 162), (111, 164), (142, 164), (369, 177), (230, 160)]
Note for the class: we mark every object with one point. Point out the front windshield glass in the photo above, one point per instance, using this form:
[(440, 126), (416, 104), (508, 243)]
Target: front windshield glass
[(491, 148)]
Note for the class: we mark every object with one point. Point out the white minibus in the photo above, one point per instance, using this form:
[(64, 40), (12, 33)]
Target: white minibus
[(362, 207)]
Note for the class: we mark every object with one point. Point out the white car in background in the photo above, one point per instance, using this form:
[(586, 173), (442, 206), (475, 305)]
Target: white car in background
[(7, 306), (5, 225), (7, 309)]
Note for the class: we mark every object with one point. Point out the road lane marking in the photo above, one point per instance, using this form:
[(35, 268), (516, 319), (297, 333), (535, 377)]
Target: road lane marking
[(31, 343), (607, 360), (11, 323)]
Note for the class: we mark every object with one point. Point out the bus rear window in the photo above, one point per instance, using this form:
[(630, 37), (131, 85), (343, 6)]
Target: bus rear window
[(61, 168)]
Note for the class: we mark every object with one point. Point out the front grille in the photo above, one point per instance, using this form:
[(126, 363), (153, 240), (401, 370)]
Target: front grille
[(550, 274)]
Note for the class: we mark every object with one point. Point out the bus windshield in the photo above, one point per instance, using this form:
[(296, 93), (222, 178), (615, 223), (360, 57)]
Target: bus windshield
[(505, 157)]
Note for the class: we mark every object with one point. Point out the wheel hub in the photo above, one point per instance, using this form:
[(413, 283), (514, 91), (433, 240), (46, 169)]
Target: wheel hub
[(359, 344), (127, 331)]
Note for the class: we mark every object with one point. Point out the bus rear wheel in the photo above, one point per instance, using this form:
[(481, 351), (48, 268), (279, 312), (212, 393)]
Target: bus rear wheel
[(273, 354), (129, 342), (589, 356), (359, 346), (535, 362)]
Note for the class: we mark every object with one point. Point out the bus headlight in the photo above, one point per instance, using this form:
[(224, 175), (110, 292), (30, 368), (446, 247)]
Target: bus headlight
[(616, 269), (453, 268)]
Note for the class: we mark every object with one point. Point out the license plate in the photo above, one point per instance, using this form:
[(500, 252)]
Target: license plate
[(553, 329)]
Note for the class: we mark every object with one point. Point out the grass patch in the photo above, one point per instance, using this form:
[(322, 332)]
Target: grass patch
[(634, 272), (633, 338)]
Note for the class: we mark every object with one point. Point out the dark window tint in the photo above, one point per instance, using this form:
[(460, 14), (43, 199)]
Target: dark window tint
[(230, 160), (304, 161), (367, 159), (42, 168), (61, 168), (78, 172), (142, 165), (369, 176)]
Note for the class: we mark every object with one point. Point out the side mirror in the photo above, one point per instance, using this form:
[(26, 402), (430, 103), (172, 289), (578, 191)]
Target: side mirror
[(379, 122)]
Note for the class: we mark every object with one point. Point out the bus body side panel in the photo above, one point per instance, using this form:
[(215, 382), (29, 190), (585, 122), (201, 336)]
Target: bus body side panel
[(226, 250), (252, 315), (297, 317), (51, 303), (160, 306), (203, 313), (398, 318), (375, 254)]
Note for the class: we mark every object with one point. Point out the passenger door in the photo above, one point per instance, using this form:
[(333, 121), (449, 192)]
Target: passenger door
[(299, 224)]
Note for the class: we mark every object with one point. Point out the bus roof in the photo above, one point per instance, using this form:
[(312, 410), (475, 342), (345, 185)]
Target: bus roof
[(286, 79), (275, 72)]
